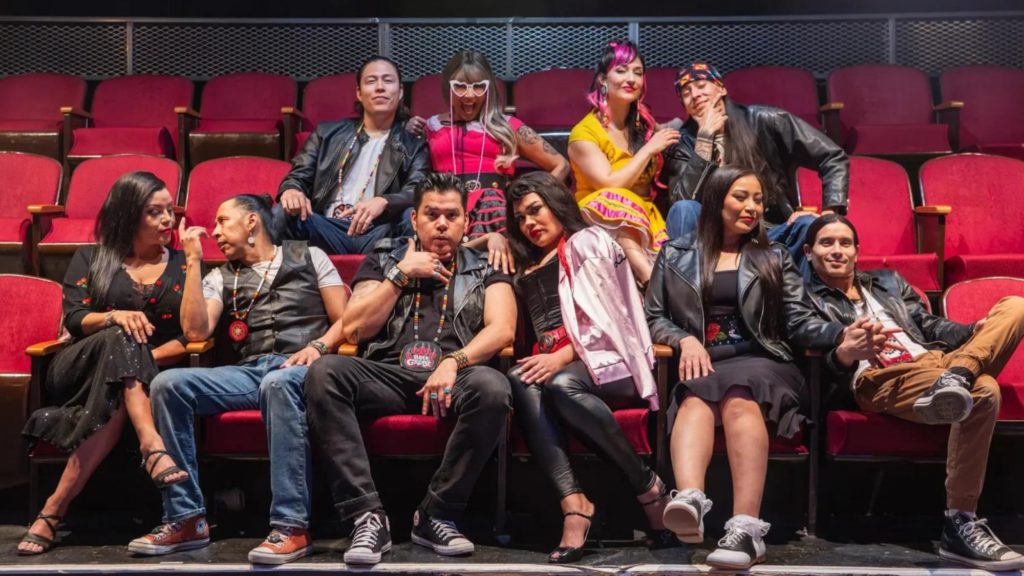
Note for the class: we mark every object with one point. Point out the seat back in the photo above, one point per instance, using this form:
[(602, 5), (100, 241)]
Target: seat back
[(92, 180), (37, 318), (661, 95), (328, 99), (553, 100), (985, 193), (880, 94), (876, 187), (39, 96), (971, 300), (214, 181), (428, 95), (993, 99), (146, 100), (27, 179), (248, 96), (791, 89)]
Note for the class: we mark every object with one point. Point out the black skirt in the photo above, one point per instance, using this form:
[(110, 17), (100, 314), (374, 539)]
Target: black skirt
[(85, 385), (776, 386)]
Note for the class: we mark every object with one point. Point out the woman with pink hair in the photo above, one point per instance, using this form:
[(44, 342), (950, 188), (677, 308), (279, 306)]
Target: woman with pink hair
[(615, 152)]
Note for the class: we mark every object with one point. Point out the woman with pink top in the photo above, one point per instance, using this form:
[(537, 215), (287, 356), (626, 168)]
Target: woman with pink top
[(587, 359), (478, 143)]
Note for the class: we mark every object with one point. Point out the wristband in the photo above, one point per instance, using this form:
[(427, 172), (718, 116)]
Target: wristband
[(108, 318), (318, 346), (461, 360)]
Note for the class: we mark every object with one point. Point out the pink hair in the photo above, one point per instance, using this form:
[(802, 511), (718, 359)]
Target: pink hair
[(619, 54)]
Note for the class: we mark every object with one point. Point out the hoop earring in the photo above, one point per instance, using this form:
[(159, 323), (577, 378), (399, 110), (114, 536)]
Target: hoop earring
[(604, 89)]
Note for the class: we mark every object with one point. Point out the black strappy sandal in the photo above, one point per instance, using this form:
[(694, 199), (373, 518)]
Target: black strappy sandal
[(46, 543), (664, 538), (159, 479), (570, 554)]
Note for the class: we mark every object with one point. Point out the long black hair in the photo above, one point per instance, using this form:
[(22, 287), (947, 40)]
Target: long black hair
[(262, 205), (402, 114), (745, 151), (754, 245), (558, 199), (116, 226), (825, 220)]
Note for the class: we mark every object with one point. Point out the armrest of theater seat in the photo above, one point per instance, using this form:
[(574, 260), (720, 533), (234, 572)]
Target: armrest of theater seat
[(188, 120), (506, 352), (808, 209), (40, 355), (74, 118), (45, 209), (72, 111), (662, 351), (200, 354), (510, 110), (41, 216), (662, 355), (292, 126), (948, 113), (930, 228), (830, 121), (348, 350), (186, 111)]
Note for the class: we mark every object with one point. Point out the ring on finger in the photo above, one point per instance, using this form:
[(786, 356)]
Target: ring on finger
[(435, 275), (433, 395), (447, 390)]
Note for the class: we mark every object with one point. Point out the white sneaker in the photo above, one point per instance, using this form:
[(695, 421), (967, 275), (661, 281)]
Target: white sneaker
[(684, 515), (742, 546)]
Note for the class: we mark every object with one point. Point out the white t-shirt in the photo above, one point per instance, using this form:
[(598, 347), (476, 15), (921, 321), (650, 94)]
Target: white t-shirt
[(355, 187), (326, 274), (870, 307)]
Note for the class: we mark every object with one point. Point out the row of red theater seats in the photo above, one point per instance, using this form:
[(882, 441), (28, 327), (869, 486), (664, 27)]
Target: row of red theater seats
[(969, 228), (872, 109), (847, 435)]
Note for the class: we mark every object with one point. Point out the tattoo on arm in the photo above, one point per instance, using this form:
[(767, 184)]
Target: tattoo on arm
[(704, 148), (549, 148), (529, 135), (363, 289)]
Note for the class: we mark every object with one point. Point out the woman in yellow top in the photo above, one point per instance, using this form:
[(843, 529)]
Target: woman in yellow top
[(615, 153)]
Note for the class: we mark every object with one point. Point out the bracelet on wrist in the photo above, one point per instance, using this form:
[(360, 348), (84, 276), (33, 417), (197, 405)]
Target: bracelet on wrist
[(461, 360), (108, 319), (318, 346)]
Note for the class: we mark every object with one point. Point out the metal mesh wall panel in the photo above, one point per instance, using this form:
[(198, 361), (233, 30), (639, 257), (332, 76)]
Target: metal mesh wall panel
[(88, 50), (935, 45), (204, 51), (817, 46), (561, 46), (425, 49)]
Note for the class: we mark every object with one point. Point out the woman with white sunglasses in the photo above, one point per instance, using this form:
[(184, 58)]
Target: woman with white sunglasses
[(478, 143)]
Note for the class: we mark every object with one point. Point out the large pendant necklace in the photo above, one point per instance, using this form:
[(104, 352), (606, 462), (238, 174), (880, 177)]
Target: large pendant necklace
[(239, 330), (423, 356)]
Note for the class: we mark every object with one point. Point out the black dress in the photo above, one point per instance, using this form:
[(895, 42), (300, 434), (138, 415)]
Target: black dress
[(738, 360), (84, 384)]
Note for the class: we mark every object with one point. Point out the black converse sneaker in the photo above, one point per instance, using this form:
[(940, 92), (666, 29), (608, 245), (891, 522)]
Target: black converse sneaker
[(684, 515), (947, 401), (742, 546), (371, 539), (970, 541), (441, 536)]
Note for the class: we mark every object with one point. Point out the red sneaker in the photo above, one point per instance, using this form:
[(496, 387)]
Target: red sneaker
[(283, 545), (187, 534)]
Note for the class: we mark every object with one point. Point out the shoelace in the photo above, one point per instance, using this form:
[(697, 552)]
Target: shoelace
[(166, 529), (365, 535), (445, 529), (278, 535), (736, 530), (732, 538), (978, 536)]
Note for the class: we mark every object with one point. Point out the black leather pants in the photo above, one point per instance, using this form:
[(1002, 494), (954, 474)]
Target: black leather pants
[(571, 399)]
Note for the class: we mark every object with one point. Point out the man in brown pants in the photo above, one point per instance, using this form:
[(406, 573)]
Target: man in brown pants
[(934, 371)]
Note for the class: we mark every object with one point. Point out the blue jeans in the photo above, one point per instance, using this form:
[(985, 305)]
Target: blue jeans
[(328, 234), (683, 215), (181, 394)]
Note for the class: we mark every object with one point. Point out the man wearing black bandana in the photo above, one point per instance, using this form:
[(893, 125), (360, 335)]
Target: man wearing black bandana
[(428, 315)]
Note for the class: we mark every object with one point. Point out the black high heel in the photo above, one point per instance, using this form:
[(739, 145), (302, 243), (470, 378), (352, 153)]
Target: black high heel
[(664, 538), (570, 554)]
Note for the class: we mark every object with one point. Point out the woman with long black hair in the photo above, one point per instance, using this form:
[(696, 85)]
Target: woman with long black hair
[(733, 305), (590, 352), (121, 312)]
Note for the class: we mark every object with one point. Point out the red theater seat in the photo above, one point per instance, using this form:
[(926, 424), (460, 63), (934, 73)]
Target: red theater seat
[(347, 266), (30, 111), (428, 96), (25, 180), (984, 235), (887, 110), (992, 120), (880, 187), (857, 434), (213, 182), (553, 100), (969, 301), (777, 445), (326, 99), (791, 89), (133, 115), (660, 95), (240, 115)]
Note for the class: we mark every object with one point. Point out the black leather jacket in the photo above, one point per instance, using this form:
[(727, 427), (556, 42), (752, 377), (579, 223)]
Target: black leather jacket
[(467, 296), (894, 293), (787, 143), (404, 163), (674, 310)]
